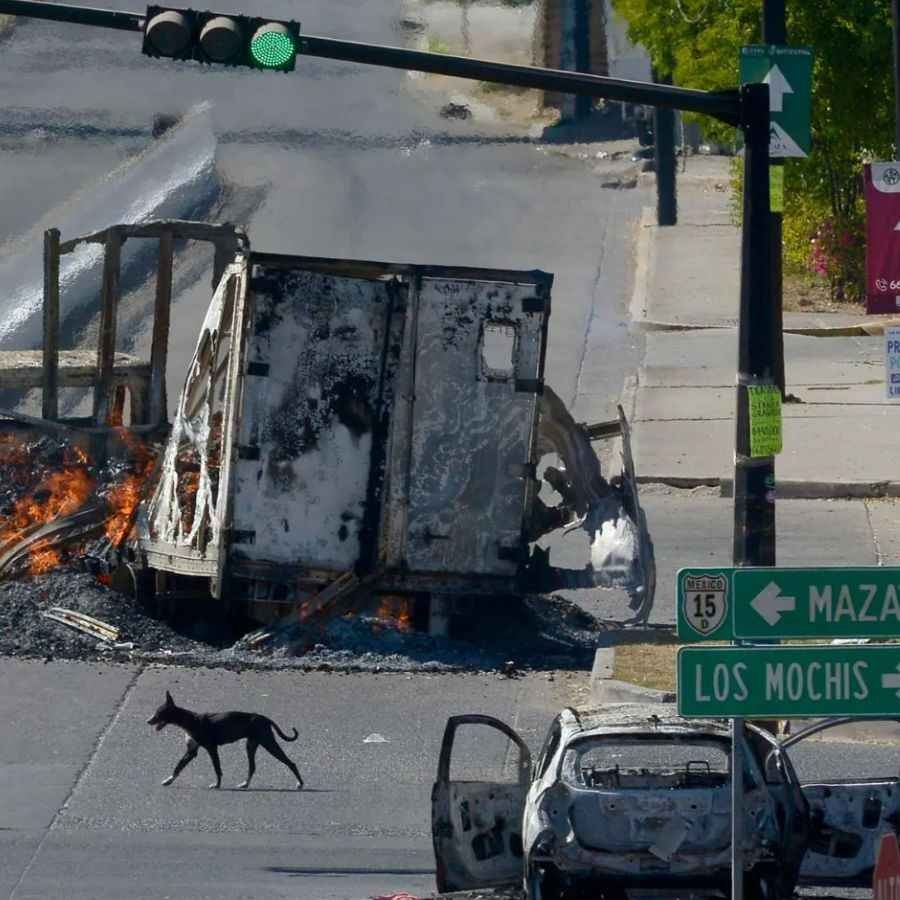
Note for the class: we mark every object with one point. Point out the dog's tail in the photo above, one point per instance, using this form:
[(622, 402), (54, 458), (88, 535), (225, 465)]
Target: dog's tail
[(282, 735)]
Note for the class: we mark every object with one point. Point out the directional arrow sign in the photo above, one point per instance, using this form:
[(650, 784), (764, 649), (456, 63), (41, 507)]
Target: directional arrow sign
[(816, 603), (778, 87), (770, 604), (789, 681), (788, 72)]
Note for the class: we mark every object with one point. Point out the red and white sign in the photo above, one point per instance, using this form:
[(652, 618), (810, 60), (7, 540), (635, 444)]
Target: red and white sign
[(882, 182), (886, 884)]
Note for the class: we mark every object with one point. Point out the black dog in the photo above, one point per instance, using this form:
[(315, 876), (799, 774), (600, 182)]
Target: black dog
[(211, 730)]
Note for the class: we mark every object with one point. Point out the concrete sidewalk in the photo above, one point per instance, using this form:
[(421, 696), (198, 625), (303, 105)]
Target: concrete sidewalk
[(840, 441)]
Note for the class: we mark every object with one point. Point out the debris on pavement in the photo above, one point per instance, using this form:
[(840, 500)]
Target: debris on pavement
[(84, 623)]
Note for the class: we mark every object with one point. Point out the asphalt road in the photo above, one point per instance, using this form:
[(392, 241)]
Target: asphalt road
[(83, 814)]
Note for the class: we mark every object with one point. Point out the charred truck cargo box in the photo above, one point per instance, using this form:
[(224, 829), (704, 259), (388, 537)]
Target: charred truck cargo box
[(347, 424)]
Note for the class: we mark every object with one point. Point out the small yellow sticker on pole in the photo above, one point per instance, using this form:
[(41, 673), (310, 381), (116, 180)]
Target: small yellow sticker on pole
[(765, 420), (776, 189)]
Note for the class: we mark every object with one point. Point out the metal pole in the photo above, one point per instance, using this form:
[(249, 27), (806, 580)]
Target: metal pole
[(774, 31), (583, 104), (895, 8), (50, 386), (664, 146), (754, 478), (737, 810)]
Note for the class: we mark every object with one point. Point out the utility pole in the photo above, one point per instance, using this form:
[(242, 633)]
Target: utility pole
[(774, 31), (582, 40), (664, 157)]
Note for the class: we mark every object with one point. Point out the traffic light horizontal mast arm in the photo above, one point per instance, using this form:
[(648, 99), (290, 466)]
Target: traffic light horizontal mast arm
[(77, 15), (724, 105)]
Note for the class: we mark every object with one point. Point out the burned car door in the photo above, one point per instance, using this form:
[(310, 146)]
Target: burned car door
[(476, 826), (847, 818)]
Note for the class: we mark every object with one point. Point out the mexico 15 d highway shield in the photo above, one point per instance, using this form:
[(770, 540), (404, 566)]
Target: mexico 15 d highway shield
[(789, 681), (882, 189)]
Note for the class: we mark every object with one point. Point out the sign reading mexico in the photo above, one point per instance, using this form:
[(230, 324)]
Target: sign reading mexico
[(882, 188)]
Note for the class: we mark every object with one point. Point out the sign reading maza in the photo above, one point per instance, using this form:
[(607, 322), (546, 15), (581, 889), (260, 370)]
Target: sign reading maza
[(788, 72), (817, 602), (789, 681)]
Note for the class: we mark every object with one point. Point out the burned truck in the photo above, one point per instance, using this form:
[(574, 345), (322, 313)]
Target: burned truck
[(349, 425)]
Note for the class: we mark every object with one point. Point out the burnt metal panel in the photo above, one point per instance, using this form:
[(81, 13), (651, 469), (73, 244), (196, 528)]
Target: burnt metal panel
[(188, 509), (470, 425), (314, 419)]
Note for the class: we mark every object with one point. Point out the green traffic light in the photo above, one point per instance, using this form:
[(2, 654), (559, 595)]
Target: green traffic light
[(272, 46)]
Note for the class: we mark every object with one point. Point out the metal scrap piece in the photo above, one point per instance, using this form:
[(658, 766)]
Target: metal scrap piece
[(82, 622)]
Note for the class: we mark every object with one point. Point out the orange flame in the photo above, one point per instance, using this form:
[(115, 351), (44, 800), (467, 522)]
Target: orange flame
[(59, 494), (397, 610), (124, 497)]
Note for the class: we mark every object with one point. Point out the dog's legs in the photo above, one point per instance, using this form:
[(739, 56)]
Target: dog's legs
[(214, 756), (251, 762), (188, 756), (273, 747)]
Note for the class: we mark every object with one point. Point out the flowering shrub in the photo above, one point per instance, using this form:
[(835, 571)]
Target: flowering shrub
[(837, 249)]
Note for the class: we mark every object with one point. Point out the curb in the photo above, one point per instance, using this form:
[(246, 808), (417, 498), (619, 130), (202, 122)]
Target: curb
[(605, 689), (787, 490), (643, 266), (863, 329), (825, 490)]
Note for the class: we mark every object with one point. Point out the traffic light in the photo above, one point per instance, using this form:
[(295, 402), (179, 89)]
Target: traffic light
[(222, 39)]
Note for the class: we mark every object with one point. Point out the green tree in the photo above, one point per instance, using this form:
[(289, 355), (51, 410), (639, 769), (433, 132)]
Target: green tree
[(698, 42)]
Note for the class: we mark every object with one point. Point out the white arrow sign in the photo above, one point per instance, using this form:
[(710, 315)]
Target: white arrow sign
[(891, 680), (770, 604), (781, 143), (778, 87)]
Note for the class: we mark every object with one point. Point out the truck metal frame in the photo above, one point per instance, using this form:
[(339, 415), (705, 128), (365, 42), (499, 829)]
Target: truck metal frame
[(353, 421)]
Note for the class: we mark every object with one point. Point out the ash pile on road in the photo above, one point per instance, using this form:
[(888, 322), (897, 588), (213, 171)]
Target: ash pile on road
[(24, 631), (512, 634)]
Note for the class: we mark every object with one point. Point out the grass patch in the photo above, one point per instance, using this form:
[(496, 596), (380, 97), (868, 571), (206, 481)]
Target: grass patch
[(649, 665)]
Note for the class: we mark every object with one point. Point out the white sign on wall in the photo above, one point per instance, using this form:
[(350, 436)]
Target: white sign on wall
[(892, 362)]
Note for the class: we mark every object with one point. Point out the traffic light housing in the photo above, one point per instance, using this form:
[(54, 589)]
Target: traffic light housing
[(221, 38)]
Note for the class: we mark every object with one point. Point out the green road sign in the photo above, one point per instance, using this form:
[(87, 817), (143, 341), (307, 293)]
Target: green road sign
[(789, 682), (816, 603), (703, 603), (788, 72)]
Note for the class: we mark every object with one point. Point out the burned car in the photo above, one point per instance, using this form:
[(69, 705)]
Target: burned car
[(620, 800), (617, 800)]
